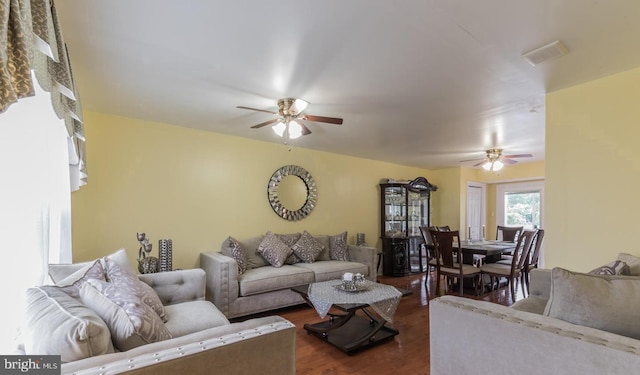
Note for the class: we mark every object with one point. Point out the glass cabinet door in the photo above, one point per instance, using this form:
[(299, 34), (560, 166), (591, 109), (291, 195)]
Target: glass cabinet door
[(416, 215), (395, 212)]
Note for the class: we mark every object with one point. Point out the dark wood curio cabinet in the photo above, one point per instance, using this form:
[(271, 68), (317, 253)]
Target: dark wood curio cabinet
[(405, 207)]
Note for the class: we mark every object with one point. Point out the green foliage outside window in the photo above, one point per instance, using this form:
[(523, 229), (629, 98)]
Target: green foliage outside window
[(523, 209)]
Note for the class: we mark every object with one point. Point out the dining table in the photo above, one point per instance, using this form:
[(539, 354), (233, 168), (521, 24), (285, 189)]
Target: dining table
[(491, 249)]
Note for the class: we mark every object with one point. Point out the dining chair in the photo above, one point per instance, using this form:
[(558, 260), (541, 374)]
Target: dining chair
[(510, 234), (512, 272), (449, 264), (444, 228), (534, 257), (430, 249)]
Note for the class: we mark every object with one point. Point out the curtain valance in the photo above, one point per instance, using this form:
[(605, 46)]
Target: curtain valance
[(31, 39)]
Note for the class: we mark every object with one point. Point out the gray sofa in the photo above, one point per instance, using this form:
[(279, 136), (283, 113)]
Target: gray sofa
[(469, 336), (202, 337), (263, 287)]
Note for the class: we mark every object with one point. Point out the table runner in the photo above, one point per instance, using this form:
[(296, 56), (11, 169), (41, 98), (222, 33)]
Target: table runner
[(383, 299)]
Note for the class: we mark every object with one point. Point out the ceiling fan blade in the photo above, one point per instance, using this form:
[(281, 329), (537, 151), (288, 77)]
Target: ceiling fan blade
[(256, 109), (265, 123), (509, 161), (518, 156), (305, 130), (330, 120), (468, 160), (479, 164)]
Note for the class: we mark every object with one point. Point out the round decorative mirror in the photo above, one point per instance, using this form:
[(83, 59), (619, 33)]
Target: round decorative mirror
[(292, 192)]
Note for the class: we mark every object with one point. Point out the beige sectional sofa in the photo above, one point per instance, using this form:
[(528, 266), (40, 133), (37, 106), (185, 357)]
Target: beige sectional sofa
[(61, 320), (264, 287), (571, 323)]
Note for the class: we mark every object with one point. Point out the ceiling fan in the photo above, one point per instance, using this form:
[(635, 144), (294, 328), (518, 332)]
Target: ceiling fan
[(288, 121), (494, 161)]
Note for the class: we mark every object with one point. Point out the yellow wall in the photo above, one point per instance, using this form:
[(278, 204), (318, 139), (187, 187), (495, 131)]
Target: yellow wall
[(198, 187), (592, 171), (447, 198)]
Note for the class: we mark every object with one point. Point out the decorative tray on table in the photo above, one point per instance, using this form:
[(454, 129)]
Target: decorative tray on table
[(354, 289)]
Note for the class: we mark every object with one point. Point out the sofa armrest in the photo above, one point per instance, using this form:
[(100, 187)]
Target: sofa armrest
[(270, 340), (177, 286), (553, 346), (365, 255), (222, 279)]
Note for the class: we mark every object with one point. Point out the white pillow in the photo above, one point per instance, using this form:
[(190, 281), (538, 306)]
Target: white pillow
[(72, 283), (130, 284), (632, 261), (58, 272), (132, 322), (57, 324), (608, 303)]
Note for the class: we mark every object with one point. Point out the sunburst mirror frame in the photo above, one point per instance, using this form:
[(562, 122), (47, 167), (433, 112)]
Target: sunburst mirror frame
[(274, 200)]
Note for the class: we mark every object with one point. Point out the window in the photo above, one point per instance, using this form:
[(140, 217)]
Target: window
[(522, 208), (520, 203), (35, 225)]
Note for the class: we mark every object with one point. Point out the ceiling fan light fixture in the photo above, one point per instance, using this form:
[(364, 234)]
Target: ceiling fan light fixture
[(298, 106), (493, 165), (279, 128), (295, 130)]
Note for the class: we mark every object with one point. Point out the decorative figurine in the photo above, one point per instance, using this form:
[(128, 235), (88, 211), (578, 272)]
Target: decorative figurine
[(146, 263)]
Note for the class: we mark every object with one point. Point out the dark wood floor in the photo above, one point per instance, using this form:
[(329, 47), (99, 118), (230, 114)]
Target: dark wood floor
[(407, 354)]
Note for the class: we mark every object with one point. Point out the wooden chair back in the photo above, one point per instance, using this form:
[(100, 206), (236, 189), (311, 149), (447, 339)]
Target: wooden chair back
[(521, 252), (446, 253), (535, 255), (509, 234)]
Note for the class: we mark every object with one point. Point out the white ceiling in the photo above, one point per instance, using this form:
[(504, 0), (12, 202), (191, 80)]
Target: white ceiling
[(420, 83)]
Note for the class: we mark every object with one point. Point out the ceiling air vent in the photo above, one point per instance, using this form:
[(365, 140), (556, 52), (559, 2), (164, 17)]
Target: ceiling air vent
[(550, 51)]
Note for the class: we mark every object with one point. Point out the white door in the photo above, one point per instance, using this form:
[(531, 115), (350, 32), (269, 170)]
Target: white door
[(475, 211)]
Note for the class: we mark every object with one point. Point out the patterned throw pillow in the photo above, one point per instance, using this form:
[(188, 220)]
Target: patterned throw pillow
[(274, 250), (617, 267), (290, 240), (338, 249), (231, 248), (72, 284), (130, 283), (307, 248), (132, 322)]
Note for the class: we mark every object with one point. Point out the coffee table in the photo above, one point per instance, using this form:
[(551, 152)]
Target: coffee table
[(347, 330)]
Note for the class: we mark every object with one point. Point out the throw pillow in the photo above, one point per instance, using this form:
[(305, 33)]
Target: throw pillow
[(290, 240), (632, 261), (250, 247), (274, 250), (58, 324), (58, 272), (323, 239), (231, 248), (608, 303), (617, 267), (72, 283), (307, 248), (338, 248), (132, 323), (121, 278)]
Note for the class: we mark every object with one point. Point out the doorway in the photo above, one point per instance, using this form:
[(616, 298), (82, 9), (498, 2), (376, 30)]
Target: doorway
[(476, 198)]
